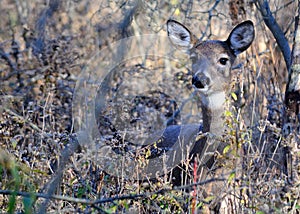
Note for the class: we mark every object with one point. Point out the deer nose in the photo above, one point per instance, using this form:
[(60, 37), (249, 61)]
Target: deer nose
[(200, 81)]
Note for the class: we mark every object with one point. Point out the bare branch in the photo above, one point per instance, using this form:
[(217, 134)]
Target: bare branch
[(110, 199), (263, 7), (5, 57), (39, 44)]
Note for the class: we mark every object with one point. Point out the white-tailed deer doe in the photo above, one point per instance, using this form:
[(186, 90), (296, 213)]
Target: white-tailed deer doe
[(211, 68)]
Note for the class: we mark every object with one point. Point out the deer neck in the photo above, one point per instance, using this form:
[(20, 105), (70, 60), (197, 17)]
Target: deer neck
[(213, 111), (213, 123)]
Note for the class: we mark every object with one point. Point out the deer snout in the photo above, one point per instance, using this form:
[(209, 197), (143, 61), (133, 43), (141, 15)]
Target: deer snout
[(200, 81)]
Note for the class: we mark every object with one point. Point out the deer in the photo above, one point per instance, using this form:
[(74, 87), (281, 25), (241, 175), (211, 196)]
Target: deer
[(212, 62)]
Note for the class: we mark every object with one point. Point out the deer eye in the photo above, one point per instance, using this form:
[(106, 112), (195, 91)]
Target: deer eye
[(223, 60)]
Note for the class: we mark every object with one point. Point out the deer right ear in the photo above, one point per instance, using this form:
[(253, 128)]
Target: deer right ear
[(179, 35), (241, 37)]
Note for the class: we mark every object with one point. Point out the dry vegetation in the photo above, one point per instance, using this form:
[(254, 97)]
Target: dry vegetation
[(47, 49)]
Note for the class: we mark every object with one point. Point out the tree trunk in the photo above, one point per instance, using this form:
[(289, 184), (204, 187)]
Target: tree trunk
[(291, 127)]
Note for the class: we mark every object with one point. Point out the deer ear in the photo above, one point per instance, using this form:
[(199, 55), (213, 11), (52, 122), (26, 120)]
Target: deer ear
[(241, 37), (179, 35)]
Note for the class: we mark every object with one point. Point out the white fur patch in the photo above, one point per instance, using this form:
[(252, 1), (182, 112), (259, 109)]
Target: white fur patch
[(216, 100)]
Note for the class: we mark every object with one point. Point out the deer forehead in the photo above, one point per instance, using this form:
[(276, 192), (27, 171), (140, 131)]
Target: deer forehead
[(212, 49)]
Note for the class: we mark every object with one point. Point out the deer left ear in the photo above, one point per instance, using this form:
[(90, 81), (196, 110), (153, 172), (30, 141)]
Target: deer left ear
[(241, 37), (180, 36)]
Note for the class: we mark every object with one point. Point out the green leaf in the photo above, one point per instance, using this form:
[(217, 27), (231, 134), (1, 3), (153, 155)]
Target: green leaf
[(12, 203), (174, 2), (226, 149), (148, 153), (231, 177), (209, 199), (227, 114), (234, 96), (177, 12), (14, 143), (199, 205)]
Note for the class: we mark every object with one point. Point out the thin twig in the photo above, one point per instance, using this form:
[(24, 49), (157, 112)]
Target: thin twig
[(5, 57), (24, 120), (110, 199)]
